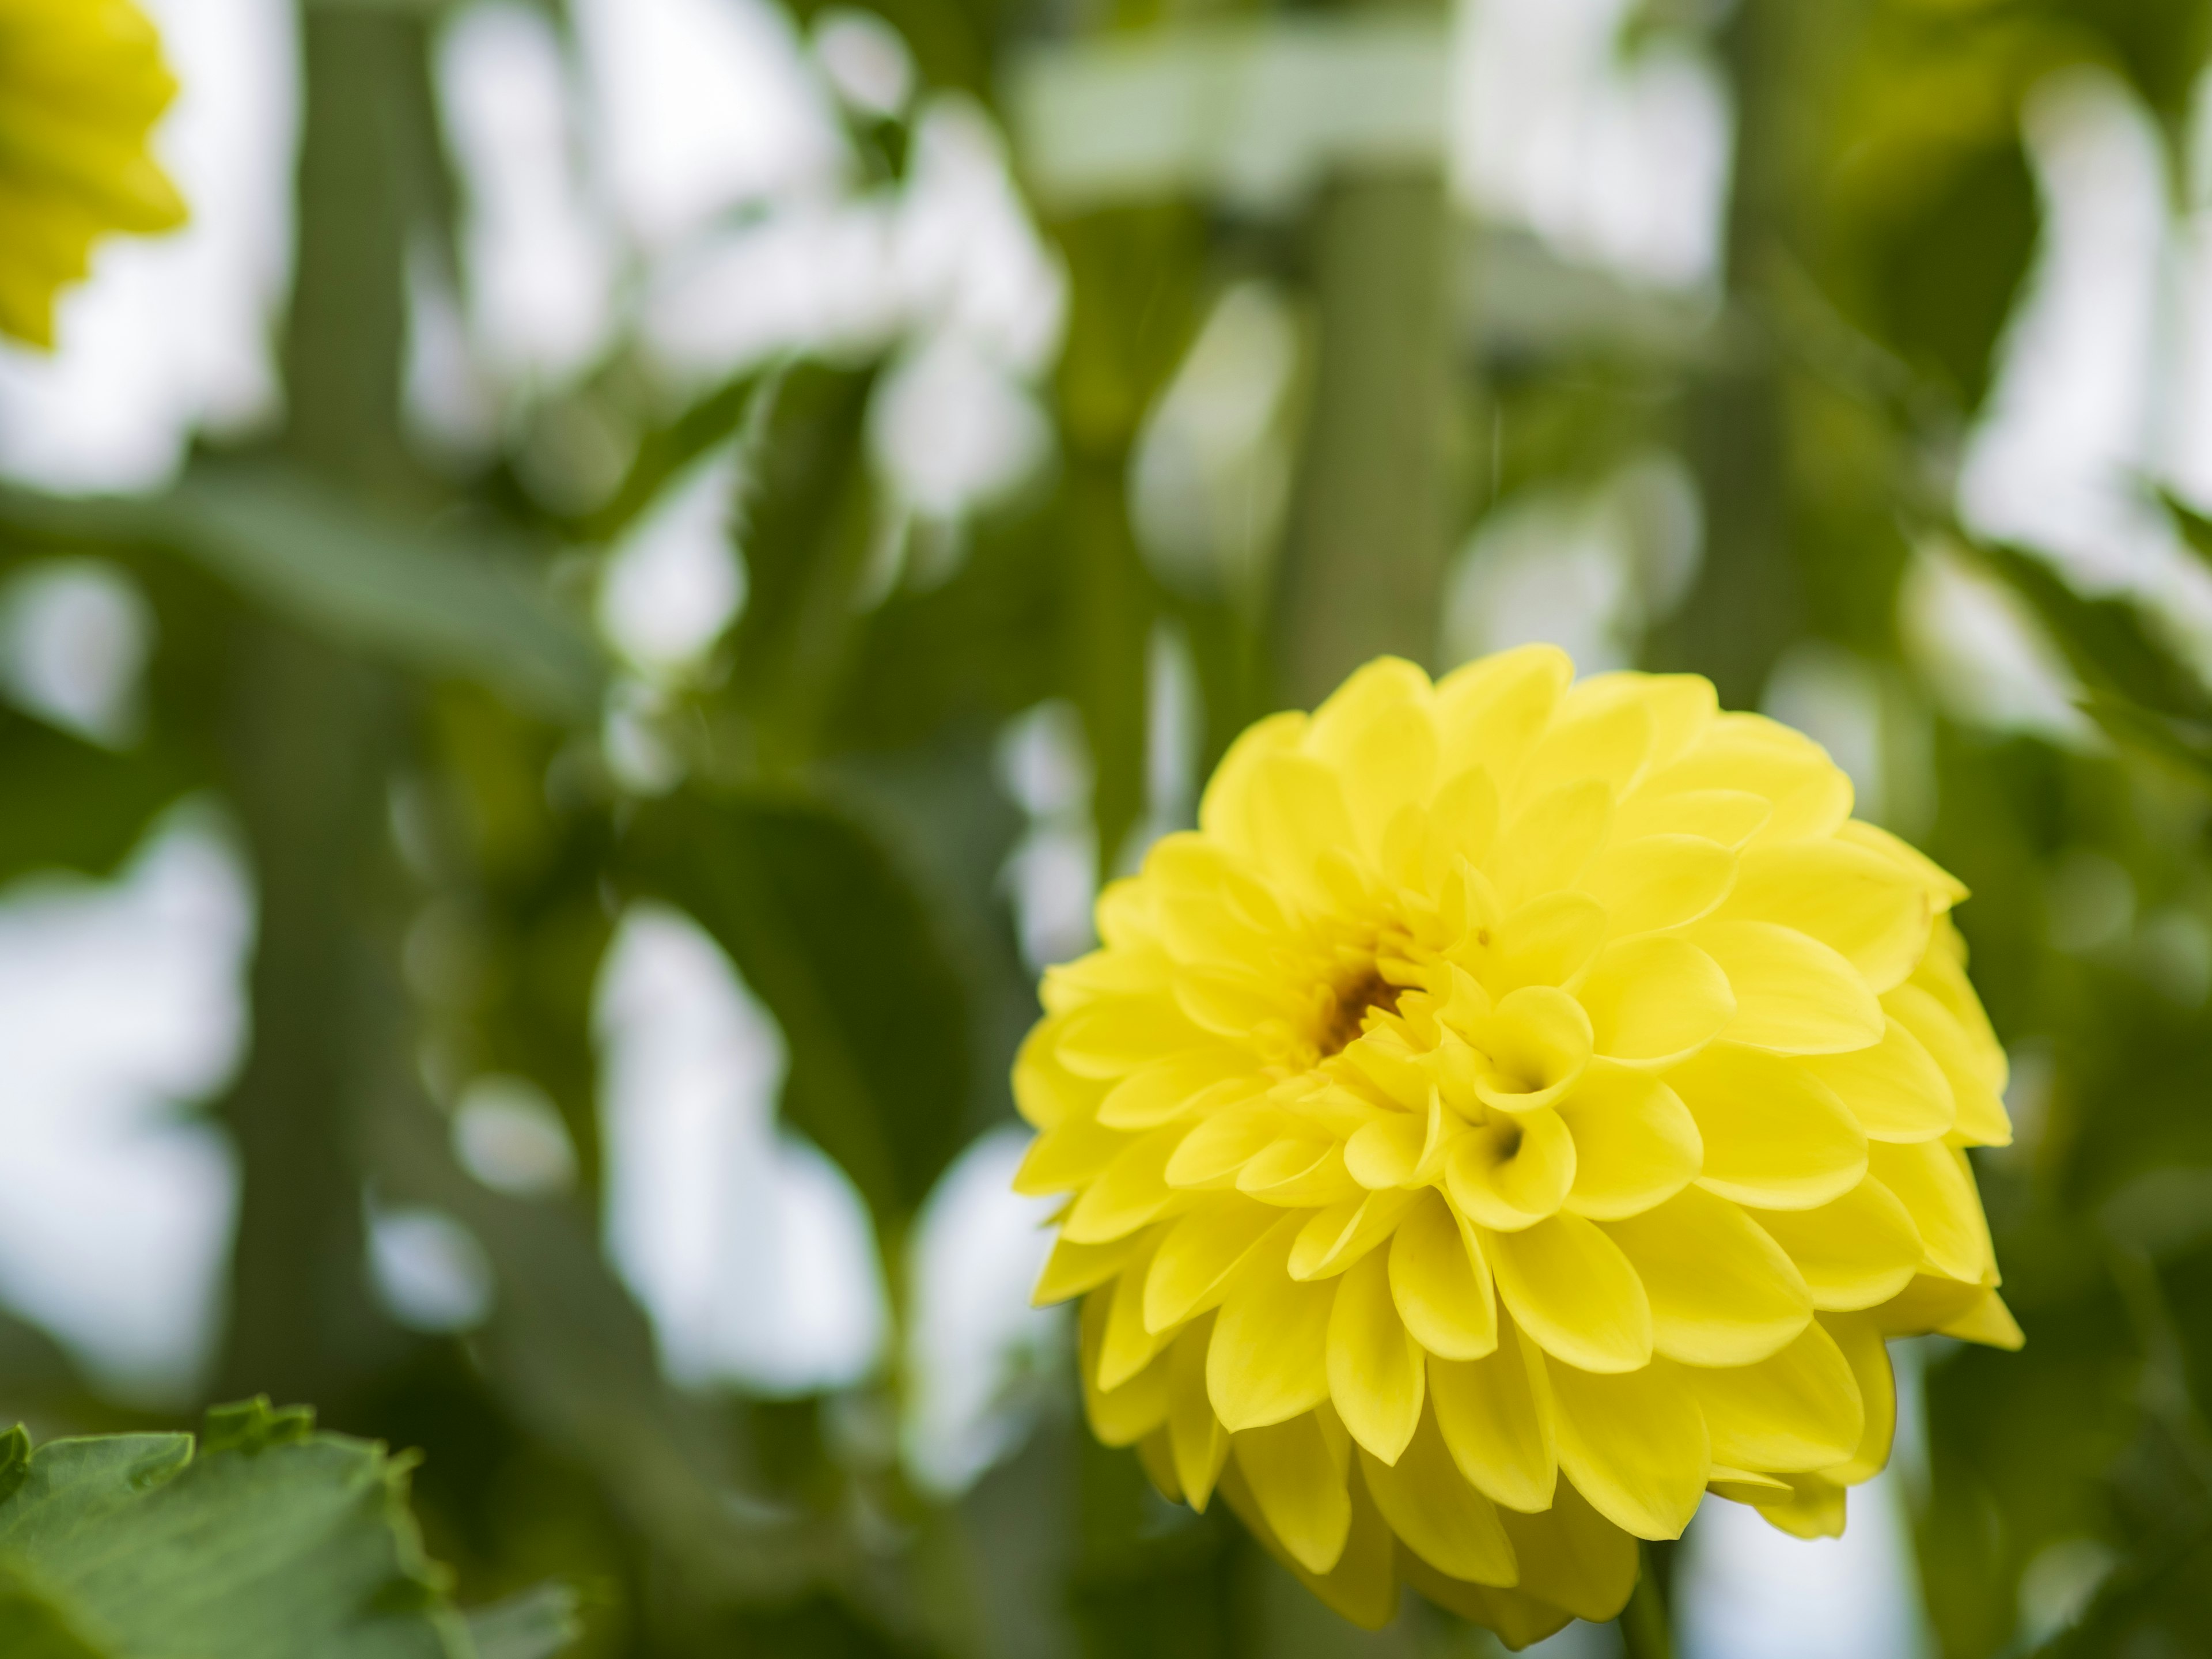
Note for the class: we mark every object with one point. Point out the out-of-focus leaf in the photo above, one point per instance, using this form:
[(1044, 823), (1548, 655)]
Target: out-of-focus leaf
[(2134, 686), (829, 935), (951, 40), (275, 1542), (573, 1357), (806, 528), (1947, 281), (72, 804), (668, 450), (987, 644), (417, 599), (2196, 529), (538, 1624)]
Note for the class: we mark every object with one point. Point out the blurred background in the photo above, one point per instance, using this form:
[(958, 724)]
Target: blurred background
[(570, 649)]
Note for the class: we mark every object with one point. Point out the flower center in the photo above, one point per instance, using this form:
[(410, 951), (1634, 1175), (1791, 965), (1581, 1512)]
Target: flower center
[(1353, 998)]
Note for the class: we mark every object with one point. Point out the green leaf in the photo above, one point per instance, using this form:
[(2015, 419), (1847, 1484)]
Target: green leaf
[(830, 936), (2135, 687), (275, 1542), (808, 519), (73, 804), (537, 1624), (430, 601), (2196, 529)]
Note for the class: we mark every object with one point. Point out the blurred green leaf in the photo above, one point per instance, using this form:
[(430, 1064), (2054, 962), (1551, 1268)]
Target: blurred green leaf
[(538, 1624), (2196, 529), (422, 599), (275, 1542), (2134, 686), (73, 804), (807, 520), (667, 450), (829, 933)]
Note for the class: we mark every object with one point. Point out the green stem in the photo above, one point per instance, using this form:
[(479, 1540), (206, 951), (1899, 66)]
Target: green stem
[(1645, 1632)]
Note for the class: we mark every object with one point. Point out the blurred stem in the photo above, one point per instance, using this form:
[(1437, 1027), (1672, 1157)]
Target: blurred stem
[(302, 736), (1746, 601), (1644, 1633), (1364, 558), (309, 742)]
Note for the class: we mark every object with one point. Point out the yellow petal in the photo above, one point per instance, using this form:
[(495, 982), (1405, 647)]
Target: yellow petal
[(1073, 1268), (1436, 1514), (1047, 1092), (1635, 1144), (1854, 1251), (1227, 808), (1634, 1445), (1810, 796), (1299, 1487), (1440, 1283), (1067, 1156), (1122, 1416), (1463, 821), (1489, 712), (1594, 736), (1386, 1152), (1343, 1234), (1496, 1415), (1113, 1037), (1127, 1345), (1659, 881), (1866, 908), (1511, 1172), (1537, 1041), (1545, 848), (1217, 1148), (1656, 999), (1375, 731), (1374, 1368), (1298, 815), (1799, 1410), (1933, 1183), (1519, 1620), (1981, 1116), (1895, 1089), (1794, 996), (1859, 1339), (1988, 1322), (1944, 890), (1231, 1002), (1774, 1134), (1128, 1192), (1722, 1293), (1268, 1358), (1727, 817), (1201, 1253), (1550, 940), (1362, 1586), (1569, 1286), (1197, 1442), (1573, 1557)]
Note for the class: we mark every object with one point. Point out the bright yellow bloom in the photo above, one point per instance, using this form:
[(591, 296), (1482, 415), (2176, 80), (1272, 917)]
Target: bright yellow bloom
[(1516, 1111), (82, 82)]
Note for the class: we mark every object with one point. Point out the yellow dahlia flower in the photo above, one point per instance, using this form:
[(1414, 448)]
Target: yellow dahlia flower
[(82, 82), (1518, 1110)]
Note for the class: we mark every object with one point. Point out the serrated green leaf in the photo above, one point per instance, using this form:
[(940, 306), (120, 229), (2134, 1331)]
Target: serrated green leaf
[(830, 936), (275, 1542)]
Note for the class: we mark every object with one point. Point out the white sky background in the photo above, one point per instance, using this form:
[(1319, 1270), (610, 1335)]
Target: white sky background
[(684, 173)]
